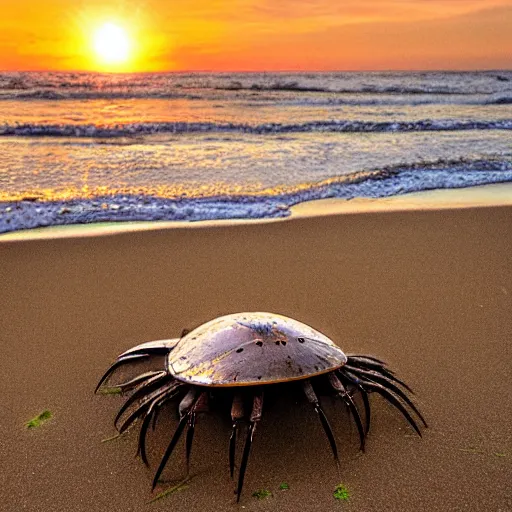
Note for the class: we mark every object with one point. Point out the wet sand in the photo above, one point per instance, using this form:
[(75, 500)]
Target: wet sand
[(430, 291)]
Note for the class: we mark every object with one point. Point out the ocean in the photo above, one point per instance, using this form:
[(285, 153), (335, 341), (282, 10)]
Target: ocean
[(83, 147)]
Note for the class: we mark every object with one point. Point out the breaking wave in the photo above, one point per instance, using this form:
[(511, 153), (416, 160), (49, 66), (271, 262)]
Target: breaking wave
[(363, 96), (365, 89), (32, 212), (380, 88), (341, 126), (502, 100)]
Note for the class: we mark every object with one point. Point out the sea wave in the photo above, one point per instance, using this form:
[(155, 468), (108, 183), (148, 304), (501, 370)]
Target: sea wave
[(160, 85), (438, 87), (56, 95), (280, 94), (342, 126), (83, 89), (296, 86), (501, 100), (363, 96), (31, 212)]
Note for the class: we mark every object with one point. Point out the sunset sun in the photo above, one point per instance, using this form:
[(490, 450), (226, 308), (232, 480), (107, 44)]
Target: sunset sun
[(111, 44)]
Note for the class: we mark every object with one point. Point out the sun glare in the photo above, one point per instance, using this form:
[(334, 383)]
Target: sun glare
[(112, 44)]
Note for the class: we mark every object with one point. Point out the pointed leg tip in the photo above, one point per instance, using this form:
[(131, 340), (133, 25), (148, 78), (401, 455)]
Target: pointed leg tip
[(99, 385)]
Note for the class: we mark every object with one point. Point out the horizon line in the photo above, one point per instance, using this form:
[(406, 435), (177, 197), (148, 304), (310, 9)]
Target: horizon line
[(290, 71)]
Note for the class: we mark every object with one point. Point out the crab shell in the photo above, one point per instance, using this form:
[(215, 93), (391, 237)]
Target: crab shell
[(248, 349)]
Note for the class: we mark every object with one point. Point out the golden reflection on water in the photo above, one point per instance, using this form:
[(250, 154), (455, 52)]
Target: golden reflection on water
[(175, 191)]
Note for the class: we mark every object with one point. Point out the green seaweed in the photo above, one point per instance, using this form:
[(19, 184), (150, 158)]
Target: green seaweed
[(113, 390), (114, 437), (261, 494), (284, 486), (341, 493), (482, 452), (181, 486), (471, 450), (39, 419)]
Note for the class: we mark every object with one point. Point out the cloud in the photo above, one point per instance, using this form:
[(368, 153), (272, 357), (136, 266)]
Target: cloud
[(354, 11)]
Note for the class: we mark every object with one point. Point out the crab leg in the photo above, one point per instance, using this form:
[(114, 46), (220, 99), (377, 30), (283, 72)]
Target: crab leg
[(370, 358), (367, 410), (364, 396), (379, 379), (155, 415), (363, 366), (257, 407), (139, 352), (237, 413), (367, 363), (160, 403), (130, 384), (185, 408), (372, 386), (344, 395), (141, 391), (119, 362), (146, 403), (200, 406), (313, 400), (190, 438), (153, 348), (157, 401)]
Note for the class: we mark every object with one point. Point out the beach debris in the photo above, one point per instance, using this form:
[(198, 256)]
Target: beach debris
[(113, 438), (476, 451), (181, 486), (38, 420), (472, 450), (114, 390), (284, 486), (341, 493), (236, 359), (261, 494)]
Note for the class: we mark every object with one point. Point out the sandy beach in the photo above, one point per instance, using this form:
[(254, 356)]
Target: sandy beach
[(429, 290)]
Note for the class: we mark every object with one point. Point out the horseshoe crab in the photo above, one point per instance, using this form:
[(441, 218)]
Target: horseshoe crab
[(245, 354)]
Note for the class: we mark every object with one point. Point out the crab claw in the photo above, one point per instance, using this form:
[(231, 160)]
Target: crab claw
[(145, 350), (152, 348)]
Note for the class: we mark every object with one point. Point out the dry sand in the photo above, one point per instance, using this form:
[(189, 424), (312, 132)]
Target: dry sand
[(430, 291)]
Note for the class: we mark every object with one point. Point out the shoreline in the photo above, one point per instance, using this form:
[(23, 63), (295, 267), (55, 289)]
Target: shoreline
[(481, 196)]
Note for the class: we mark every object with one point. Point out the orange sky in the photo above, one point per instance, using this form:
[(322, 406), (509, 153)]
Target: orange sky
[(260, 34)]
